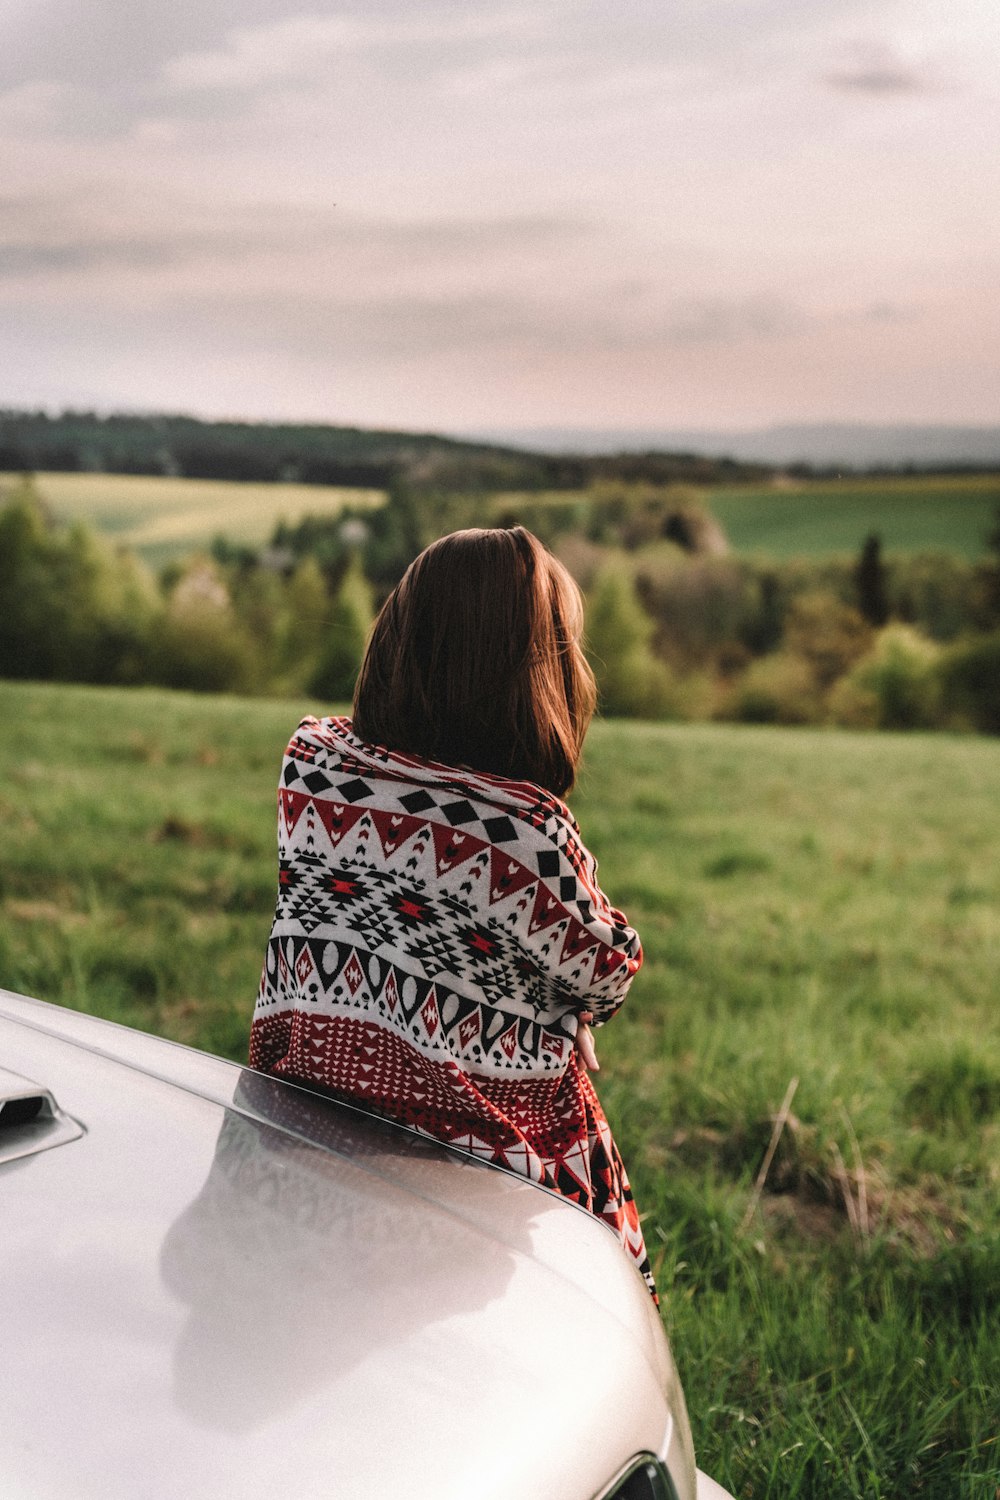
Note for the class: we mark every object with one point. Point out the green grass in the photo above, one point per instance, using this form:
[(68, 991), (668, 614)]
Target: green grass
[(162, 518), (826, 518), (138, 862), (815, 905)]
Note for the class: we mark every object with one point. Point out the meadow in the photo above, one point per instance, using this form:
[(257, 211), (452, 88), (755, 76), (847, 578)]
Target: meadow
[(820, 908), (162, 518), (815, 519), (830, 517)]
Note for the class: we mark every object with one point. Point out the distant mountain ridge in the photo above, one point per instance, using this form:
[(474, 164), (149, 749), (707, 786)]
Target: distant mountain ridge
[(855, 445)]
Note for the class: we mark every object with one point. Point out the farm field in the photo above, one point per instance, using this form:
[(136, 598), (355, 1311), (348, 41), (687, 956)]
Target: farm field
[(823, 518), (162, 518), (819, 906)]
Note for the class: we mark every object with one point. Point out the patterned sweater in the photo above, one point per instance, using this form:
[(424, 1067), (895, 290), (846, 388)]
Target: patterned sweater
[(437, 933)]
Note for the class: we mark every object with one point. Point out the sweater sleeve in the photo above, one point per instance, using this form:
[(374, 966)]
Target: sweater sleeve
[(620, 954), (585, 944)]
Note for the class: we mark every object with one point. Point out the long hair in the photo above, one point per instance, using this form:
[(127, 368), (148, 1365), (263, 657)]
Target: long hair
[(475, 660)]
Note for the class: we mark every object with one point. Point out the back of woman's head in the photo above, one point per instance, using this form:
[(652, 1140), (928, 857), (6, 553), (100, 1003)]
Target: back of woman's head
[(475, 661)]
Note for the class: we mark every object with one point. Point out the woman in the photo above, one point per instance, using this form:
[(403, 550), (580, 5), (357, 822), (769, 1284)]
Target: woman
[(440, 942)]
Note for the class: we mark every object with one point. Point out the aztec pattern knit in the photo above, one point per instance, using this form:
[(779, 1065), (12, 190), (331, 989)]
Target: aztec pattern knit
[(437, 933)]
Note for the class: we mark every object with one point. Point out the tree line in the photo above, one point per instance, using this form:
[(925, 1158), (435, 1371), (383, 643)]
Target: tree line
[(676, 627), (74, 608), (318, 453)]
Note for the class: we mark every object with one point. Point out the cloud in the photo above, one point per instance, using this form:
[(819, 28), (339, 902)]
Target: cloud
[(390, 326), (300, 281), (297, 47), (878, 81), (641, 200), (878, 69), (38, 259), (38, 105), (730, 320), (267, 244), (890, 312)]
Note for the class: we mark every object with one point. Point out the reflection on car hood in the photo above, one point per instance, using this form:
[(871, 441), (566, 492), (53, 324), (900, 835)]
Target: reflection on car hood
[(231, 1286)]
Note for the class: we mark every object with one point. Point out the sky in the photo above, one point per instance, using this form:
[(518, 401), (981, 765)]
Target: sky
[(466, 217)]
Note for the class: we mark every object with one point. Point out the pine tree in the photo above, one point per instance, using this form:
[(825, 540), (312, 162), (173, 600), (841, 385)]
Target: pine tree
[(870, 577)]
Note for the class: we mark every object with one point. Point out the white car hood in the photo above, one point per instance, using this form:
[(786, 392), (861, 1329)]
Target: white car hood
[(227, 1286)]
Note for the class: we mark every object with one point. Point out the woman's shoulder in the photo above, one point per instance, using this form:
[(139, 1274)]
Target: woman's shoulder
[(534, 805), (313, 733), (538, 814)]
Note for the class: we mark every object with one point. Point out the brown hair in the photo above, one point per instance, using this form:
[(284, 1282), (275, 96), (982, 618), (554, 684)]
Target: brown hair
[(475, 661)]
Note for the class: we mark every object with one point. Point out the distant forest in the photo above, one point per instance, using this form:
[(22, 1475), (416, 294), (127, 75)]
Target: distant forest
[(188, 448)]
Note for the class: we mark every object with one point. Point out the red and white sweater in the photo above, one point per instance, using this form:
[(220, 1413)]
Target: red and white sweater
[(437, 933)]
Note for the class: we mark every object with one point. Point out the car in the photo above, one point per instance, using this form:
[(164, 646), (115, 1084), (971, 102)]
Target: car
[(220, 1284)]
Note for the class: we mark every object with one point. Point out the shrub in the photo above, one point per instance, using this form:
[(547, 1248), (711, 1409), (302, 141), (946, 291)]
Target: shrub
[(630, 679), (764, 620), (305, 622), (970, 682), (853, 706), (346, 636), (898, 679), (259, 597), (777, 689), (697, 604), (936, 592), (199, 644), (827, 634)]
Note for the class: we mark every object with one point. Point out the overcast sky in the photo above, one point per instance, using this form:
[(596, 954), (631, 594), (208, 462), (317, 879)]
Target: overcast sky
[(648, 213)]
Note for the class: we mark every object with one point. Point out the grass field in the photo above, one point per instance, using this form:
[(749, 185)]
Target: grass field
[(162, 518), (824, 518), (819, 906)]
